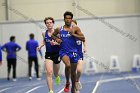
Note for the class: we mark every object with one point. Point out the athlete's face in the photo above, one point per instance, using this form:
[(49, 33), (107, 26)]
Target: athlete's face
[(68, 20), (49, 24)]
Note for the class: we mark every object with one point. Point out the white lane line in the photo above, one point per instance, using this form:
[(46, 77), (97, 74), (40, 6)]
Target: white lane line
[(121, 78), (114, 79), (96, 86), (33, 89), (4, 89), (61, 90)]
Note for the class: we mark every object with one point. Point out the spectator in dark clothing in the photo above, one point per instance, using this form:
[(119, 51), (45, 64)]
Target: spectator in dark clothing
[(0, 56), (31, 47), (11, 48)]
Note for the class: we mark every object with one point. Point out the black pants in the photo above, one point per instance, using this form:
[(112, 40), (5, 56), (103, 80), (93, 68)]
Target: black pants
[(30, 61), (11, 63)]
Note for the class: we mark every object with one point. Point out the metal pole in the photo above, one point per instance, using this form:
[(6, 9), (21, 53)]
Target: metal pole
[(6, 10), (76, 2)]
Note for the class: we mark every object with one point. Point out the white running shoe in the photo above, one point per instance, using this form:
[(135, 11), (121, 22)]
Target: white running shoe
[(30, 78), (51, 91), (38, 78), (78, 86), (14, 79)]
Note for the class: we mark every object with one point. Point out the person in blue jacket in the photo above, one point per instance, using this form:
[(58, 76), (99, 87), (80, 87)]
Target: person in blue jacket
[(31, 47), (0, 56), (11, 48)]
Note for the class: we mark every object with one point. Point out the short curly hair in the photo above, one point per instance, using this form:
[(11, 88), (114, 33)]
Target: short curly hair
[(68, 13), (47, 18)]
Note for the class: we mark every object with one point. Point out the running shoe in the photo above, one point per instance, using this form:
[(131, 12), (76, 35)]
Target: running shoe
[(66, 89), (57, 80), (78, 86), (14, 79), (38, 78), (50, 91), (30, 78)]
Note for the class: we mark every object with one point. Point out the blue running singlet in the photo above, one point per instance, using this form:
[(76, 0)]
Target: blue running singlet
[(68, 46)]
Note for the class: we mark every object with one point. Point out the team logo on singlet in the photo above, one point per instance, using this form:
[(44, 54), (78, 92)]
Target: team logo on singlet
[(78, 42), (66, 35), (47, 40)]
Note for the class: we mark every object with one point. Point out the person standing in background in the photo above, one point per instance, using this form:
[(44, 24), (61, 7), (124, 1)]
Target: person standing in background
[(0, 56), (11, 48), (31, 47)]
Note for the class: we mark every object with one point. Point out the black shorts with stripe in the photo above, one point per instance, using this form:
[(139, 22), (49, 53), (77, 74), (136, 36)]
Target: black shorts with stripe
[(53, 56)]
